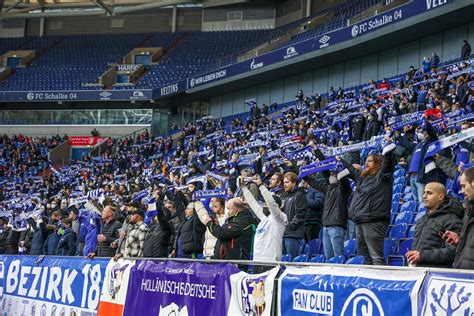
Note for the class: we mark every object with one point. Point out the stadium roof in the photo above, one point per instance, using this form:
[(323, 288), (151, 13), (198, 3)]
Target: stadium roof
[(51, 8)]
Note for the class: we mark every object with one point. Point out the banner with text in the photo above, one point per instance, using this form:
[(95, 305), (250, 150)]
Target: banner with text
[(344, 291), (50, 285), (447, 294), (252, 294), (174, 288), (114, 291), (84, 141)]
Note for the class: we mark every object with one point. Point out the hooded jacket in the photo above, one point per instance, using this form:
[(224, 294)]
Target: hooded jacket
[(434, 251)]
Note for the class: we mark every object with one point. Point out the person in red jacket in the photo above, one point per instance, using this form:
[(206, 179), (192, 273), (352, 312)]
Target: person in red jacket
[(384, 84)]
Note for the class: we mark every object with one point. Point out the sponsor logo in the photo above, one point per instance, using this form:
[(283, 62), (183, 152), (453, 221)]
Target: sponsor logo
[(138, 95), (362, 302), (355, 30), (105, 95), (431, 4), (290, 52), (324, 41), (208, 78), (51, 96), (254, 65), (377, 22), (169, 89), (315, 302)]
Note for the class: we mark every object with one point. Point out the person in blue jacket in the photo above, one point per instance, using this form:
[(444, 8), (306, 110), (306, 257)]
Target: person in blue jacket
[(51, 244), (67, 242)]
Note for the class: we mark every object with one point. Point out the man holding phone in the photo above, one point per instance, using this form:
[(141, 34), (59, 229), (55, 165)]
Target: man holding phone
[(443, 214)]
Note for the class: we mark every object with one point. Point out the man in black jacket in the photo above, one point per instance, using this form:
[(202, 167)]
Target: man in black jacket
[(190, 238), (464, 258), (295, 205), (158, 237), (371, 203), (443, 214), (235, 236), (109, 232)]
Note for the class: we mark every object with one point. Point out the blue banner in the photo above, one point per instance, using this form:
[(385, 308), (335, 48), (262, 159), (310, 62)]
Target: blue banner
[(50, 285), (447, 294), (77, 95), (348, 291)]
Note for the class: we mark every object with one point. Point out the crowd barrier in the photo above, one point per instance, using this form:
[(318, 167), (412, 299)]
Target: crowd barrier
[(77, 286)]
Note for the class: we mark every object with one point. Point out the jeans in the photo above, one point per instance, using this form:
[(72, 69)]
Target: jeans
[(370, 241), (291, 246), (333, 241), (417, 188), (351, 230)]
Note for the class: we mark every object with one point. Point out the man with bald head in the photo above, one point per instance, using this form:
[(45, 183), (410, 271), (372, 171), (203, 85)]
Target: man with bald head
[(235, 236), (443, 214)]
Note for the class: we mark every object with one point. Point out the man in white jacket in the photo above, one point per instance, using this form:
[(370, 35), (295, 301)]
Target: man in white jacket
[(218, 208), (267, 244)]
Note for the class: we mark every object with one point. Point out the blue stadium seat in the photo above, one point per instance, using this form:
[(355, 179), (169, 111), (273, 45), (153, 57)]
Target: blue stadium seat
[(337, 260), (398, 231), (301, 258), (418, 216), (286, 258), (411, 232), (356, 260), (404, 217), (389, 247), (313, 247), (318, 259), (399, 259), (350, 248)]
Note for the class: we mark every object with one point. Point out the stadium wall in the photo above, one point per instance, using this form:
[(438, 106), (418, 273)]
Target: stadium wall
[(77, 130), (347, 74)]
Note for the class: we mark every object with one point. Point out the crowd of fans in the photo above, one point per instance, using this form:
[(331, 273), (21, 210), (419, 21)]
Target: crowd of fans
[(322, 168)]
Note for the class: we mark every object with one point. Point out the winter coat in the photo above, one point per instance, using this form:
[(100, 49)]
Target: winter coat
[(295, 205), (158, 237), (372, 199), (50, 246), (335, 211), (464, 258), (314, 212), (235, 237), (434, 251), (111, 232), (37, 242), (190, 237), (210, 240), (67, 244)]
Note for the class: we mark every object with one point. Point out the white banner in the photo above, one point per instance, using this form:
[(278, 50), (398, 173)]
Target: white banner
[(252, 293), (114, 291)]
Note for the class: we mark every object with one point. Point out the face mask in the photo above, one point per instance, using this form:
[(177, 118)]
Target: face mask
[(53, 205), (332, 180), (420, 136), (210, 205)]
